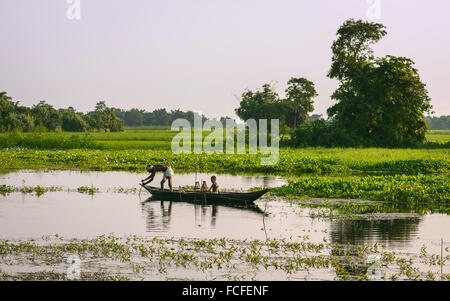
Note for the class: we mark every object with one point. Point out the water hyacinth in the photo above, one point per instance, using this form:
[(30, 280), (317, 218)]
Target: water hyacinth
[(219, 258), (410, 189)]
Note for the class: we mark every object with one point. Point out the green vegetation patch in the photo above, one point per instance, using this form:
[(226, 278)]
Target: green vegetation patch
[(291, 161), (401, 189), (39, 190), (88, 190)]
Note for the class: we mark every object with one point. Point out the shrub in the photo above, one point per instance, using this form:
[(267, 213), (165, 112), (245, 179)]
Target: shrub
[(72, 122), (322, 133)]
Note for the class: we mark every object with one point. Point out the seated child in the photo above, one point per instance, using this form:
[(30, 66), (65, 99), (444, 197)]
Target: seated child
[(204, 187), (214, 187)]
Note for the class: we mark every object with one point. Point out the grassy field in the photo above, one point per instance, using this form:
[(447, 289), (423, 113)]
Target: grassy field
[(440, 136), (148, 138), (136, 147), (291, 161)]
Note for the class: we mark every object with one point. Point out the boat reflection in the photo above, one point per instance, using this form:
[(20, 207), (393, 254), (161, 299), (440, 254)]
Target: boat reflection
[(159, 213), (157, 221)]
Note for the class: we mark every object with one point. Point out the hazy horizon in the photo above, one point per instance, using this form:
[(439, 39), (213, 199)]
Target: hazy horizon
[(200, 55)]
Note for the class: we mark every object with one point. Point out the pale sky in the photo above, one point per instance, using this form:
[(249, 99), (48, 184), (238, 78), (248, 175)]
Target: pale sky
[(201, 54)]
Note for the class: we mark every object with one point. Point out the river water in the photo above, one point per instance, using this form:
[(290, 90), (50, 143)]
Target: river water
[(74, 214), (77, 215)]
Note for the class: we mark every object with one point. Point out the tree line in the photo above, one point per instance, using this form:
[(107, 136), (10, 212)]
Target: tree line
[(44, 116), (158, 117), (438, 123), (379, 102)]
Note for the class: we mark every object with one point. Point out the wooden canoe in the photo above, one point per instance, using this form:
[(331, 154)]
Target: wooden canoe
[(223, 198)]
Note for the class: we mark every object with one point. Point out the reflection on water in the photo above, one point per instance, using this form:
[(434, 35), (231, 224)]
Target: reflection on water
[(79, 215), (362, 230), (214, 211), (157, 219), (160, 214), (399, 231)]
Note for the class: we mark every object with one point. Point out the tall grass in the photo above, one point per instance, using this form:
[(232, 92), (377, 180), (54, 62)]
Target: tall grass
[(130, 139), (148, 138), (47, 141)]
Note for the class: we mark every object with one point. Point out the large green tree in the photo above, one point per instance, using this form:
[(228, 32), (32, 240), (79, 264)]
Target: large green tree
[(6, 107), (381, 101), (300, 93), (262, 104), (46, 115), (13, 116), (73, 121), (104, 118)]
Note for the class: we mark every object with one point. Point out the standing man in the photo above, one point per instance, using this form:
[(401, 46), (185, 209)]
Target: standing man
[(168, 174)]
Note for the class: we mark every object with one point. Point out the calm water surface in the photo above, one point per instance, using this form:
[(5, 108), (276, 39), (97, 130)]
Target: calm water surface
[(72, 214), (111, 179)]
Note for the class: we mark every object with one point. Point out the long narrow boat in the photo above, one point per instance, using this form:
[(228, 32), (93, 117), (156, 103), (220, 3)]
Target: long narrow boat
[(236, 198)]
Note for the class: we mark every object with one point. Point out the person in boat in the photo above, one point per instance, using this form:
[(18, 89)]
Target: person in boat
[(204, 187), (214, 187), (168, 174)]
